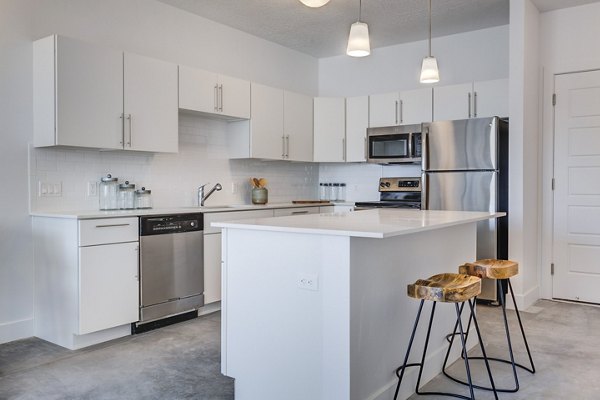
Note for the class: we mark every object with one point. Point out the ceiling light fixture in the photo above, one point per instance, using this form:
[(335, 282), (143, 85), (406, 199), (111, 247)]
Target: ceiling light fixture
[(314, 3), (358, 41), (429, 69)]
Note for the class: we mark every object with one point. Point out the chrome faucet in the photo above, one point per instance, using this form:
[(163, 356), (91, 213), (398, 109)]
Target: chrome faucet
[(202, 197)]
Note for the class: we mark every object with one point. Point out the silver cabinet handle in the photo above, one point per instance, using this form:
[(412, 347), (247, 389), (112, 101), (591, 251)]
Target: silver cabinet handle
[(366, 150), (122, 118), (469, 101), (343, 149), (283, 146), (111, 225), (216, 98), (299, 212), (129, 142), (396, 110), (287, 147), (475, 104), (221, 93), (401, 111)]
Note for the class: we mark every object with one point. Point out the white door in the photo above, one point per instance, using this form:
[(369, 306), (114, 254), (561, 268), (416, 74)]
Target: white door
[(384, 109), (298, 126), (330, 129), (490, 98), (108, 286), (416, 106), (577, 191), (234, 97), (197, 90), (453, 102), (266, 123), (151, 104), (357, 122)]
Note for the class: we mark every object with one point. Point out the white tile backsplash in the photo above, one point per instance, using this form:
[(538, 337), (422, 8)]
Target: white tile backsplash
[(203, 157)]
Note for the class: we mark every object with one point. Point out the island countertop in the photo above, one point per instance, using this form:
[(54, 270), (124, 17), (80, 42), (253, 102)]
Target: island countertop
[(377, 223)]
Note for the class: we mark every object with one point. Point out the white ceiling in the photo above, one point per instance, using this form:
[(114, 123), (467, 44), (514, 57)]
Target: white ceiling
[(323, 32)]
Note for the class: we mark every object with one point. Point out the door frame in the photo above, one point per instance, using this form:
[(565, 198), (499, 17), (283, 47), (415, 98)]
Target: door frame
[(545, 191)]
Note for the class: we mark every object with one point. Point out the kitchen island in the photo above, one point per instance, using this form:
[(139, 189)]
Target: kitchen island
[(315, 306)]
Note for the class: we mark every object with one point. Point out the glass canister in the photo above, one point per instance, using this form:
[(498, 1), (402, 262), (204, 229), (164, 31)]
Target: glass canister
[(322, 192), (342, 196), (143, 198), (108, 193), (336, 191), (126, 196)]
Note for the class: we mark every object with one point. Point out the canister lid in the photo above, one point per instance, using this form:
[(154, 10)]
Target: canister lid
[(109, 178), (143, 190), (127, 185)]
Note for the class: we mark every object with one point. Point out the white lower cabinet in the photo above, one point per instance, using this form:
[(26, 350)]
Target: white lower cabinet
[(108, 286), (212, 268), (86, 279)]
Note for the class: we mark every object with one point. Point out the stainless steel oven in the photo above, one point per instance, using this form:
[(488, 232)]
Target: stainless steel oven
[(394, 144), (171, 265)]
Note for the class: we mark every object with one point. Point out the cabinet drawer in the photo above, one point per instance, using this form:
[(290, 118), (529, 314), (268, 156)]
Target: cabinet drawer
[(107, 230), (282, 212), (231, 216)]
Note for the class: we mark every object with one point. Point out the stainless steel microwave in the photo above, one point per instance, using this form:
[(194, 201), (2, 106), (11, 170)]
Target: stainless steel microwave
[(394, 144)]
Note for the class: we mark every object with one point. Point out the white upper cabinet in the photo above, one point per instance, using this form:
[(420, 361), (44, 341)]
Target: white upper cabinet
[(490, 98), (150, 106), (78, 94), (384, 109), (266, 124), (357, 122), (298, 126), (329, 129), (471, 100), (416, 106), (90, 96), (211, 93)]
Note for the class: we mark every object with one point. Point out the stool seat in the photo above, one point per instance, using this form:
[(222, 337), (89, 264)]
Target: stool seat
[(490, 268), (447, 288)]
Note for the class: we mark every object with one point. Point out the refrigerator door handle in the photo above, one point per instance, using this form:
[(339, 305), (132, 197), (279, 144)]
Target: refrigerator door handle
[(424, 187), (425, 148)]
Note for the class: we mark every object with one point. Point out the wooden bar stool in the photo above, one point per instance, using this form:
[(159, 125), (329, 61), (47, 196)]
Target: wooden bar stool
[(501, 271), (445, 288)]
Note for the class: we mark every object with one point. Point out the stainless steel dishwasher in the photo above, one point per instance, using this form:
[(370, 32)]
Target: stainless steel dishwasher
[(171, 268)]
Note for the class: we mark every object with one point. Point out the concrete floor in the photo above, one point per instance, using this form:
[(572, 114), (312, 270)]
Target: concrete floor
[(182, 361)]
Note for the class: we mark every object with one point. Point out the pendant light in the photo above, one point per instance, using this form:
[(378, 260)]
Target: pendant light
[(429, 69), (358, 41), (314, 3)]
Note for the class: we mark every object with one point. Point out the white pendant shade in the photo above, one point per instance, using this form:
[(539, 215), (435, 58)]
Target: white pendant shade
[(358, 41), (429, 70), (314, 3)]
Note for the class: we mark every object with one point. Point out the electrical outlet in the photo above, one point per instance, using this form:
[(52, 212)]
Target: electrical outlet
[(92, 189), (308, 281)]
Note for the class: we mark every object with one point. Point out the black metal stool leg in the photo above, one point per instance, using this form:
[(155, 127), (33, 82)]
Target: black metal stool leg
[(400, 370), (450, 339), (532, 370), (487, 364), (425, 348), (464, 349), (508, 340)]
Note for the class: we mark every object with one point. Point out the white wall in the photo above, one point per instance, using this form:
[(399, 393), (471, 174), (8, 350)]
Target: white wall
[(568, 43), (142, 26), (464, 57), (523, 149)]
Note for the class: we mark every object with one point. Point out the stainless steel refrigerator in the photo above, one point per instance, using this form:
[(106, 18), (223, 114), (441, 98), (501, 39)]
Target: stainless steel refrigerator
[(465, 168)]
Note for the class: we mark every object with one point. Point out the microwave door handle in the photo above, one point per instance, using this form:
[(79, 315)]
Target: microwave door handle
[(410, 145)]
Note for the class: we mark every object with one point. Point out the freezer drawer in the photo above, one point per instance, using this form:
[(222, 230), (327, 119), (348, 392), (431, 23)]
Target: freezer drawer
[(469, 144)]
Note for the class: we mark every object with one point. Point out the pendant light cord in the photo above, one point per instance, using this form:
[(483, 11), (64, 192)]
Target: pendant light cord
[(429, 28), (360, 10)]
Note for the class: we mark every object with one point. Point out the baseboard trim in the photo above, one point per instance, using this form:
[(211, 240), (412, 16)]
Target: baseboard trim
[(16, 330), (526, 300)]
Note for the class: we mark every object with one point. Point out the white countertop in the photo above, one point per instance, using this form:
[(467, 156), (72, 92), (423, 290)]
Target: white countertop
[(378, 223), (92, 214)]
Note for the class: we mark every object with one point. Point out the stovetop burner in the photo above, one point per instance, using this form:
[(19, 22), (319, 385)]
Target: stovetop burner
[(396, 193)]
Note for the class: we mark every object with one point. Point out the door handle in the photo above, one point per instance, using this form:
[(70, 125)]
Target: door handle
[(287, 147), (396, 110), (122, 118), (475, 104), (283, 146), (343, 149), (221, 92), (401, 111), (299, 212), (216, 102), (469, 102), (111, 225), (366, 150), (130, 131)]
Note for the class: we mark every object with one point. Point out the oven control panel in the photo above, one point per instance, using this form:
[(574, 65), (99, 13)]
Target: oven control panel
[(400, 184)]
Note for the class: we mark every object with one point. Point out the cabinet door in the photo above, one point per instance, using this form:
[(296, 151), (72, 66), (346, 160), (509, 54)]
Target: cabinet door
[(212, 268), (298, 126), (150, 93), (416, 106), (357, 122), (452, 102), (89, 95), (197, 90), (234, 97), (383, 109), (330, 129), (266, 124), (108, 286), (490, 98)]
